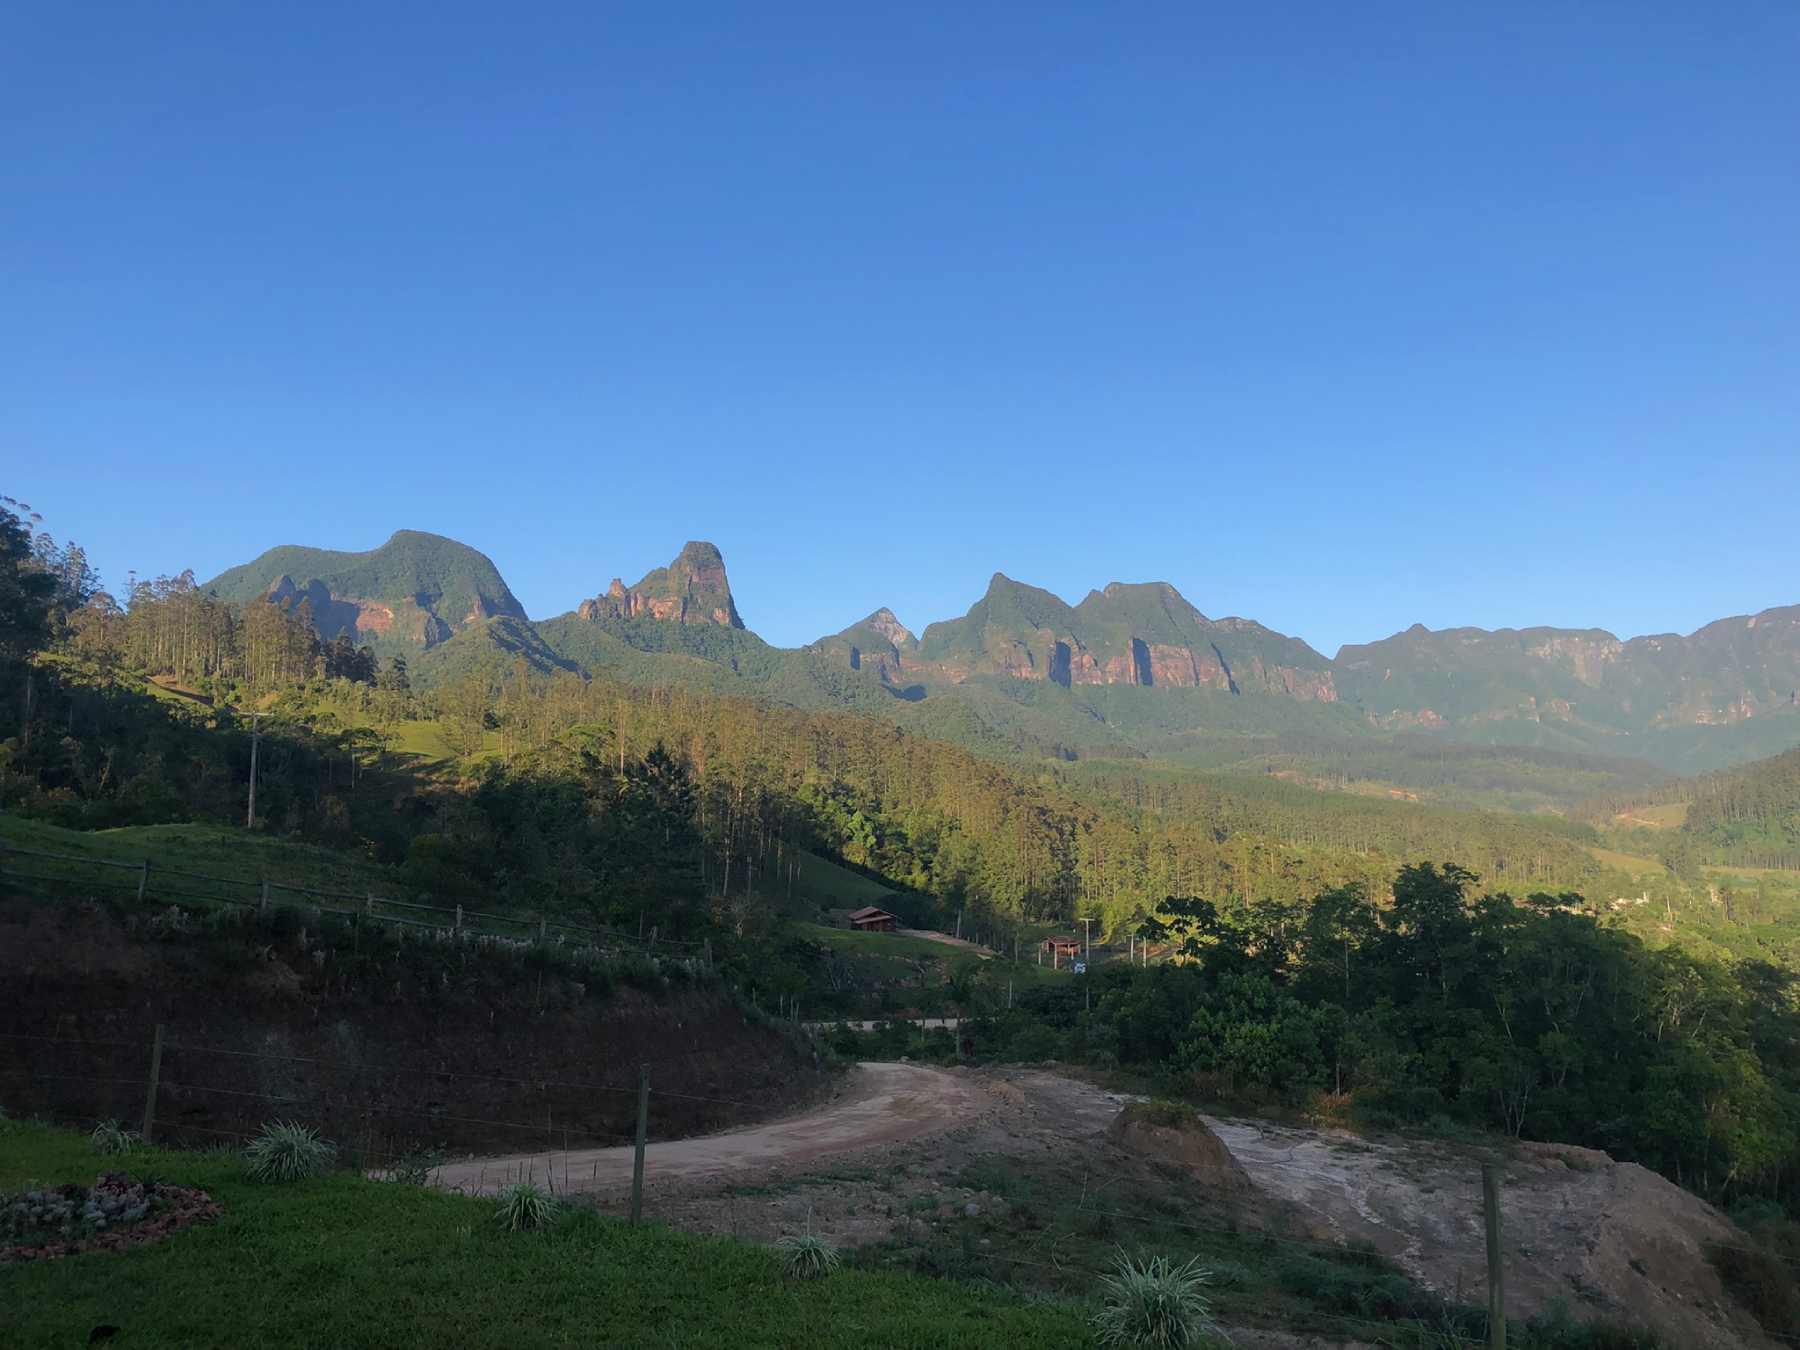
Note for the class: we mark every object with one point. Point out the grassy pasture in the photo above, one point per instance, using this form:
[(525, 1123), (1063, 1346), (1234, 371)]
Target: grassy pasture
[(344, 1261)]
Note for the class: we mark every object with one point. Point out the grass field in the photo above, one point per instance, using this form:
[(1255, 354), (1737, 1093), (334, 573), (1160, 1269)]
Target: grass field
[(1629, 863), (824, 883), (348, 1262), (902, 946), (220, 850), (1667, 816)]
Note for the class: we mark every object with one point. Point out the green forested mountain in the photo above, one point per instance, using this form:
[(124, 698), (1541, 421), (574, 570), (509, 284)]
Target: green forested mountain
[(417, 589), (1531, 718), (1145, 635), (1582, 689)]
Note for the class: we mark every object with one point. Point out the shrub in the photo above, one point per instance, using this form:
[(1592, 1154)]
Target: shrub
[(110, 1137), (807, 1256), (524, 1207), (1156, 1303), (288, 1151)]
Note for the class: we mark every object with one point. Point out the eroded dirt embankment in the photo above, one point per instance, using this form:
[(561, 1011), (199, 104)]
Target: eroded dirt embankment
[(1607, 1241), (383, 1045)]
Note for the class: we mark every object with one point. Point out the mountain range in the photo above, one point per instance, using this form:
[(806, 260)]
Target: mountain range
[(1132, 670)]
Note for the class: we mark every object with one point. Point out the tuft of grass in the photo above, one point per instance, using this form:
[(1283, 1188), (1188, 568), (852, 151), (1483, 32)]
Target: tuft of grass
[(807, 1256), (1154, 1302), (524, 1208), (288, 1151), (111, 1137)]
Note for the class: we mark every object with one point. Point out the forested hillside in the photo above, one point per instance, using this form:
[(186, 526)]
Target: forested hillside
[(1303, 937), (1747, 816)]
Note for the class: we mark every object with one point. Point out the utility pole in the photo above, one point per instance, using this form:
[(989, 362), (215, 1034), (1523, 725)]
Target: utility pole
[(255, 740), (1087, 928)]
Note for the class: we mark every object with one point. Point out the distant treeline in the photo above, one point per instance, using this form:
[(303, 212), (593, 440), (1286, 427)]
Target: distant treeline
[(1749, 815)]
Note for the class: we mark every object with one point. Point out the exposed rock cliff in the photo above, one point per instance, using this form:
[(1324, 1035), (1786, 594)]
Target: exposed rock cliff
[(692, 589), (417, 587), (1126, 634)]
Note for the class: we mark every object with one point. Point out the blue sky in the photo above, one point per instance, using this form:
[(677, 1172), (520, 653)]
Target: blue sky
[(1341, 317)]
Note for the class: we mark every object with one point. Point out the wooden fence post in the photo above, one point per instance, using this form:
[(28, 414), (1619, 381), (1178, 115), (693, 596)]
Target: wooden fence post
[(263, 904), (543, 929), (1490, 1197), (708, 953), (144, 879), (459, 918), (643, 1129), (155, 1080)]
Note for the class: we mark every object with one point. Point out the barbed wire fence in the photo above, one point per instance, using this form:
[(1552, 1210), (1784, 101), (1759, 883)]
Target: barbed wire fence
[(168, 1090)]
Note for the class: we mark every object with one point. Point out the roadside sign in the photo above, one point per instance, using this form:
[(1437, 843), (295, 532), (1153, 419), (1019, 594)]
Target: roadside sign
[(1081, 967)]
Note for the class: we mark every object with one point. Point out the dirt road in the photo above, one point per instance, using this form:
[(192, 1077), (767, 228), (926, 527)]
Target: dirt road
[(882, 1104)]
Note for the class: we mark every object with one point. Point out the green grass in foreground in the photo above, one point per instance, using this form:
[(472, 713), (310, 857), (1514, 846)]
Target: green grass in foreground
[(347, 1262), (216, 850)]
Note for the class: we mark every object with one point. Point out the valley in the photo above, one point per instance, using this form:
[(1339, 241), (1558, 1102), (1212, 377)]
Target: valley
[(495, 869)]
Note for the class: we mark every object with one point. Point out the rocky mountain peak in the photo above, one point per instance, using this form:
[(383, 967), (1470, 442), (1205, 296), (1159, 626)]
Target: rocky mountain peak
[(885, 622), (692, 589)]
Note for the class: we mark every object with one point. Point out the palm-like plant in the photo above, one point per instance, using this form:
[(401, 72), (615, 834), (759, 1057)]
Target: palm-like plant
[(524, 1207), (807, 1256), (111, 1137), (1154, 1302), (288, 1151)]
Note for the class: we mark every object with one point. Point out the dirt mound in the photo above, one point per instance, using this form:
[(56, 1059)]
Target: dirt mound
[(1634, 1246), (1177, 1134), (1608, 1241)]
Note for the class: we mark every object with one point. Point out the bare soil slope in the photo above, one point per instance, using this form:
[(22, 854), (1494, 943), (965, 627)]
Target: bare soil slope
[(880, 1105), (1611, 1241)]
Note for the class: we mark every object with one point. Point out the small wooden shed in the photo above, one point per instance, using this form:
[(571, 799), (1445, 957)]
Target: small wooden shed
[(1060, 949), (872, 920)]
